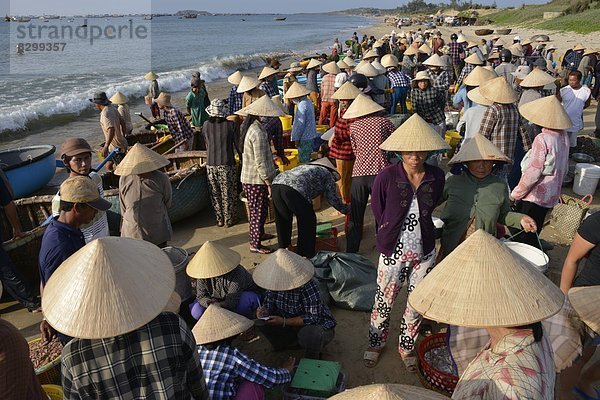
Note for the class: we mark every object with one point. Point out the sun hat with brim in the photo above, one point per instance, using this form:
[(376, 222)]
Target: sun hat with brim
[(212, 260), (585, 302), (479, 75), (526, 41), (411, 51), (546, 112), (164, 99), (483, 284), (283, 270), (109, 287), (425, 49), (217, 108), (294, 67), (578, 47), (295, 91), (379, 67), (140, 160), (218, 323), (434, 61), (370, 54), (247, 83), (349, 61), (389, 60), (521, 72), (537, 78), (267, 72), (368, 70), (313, 63), (388, 391), (150, 76), (235, 78), (476, 96), (498, 90), (324, 162), (421, 76), (415, 134), (263, 107), (74, 146), (82, 190), (346, 92), (331, 68), (118, 98), (479, 148), (378, 43), (100, 98), (474, 59), (362, 106)]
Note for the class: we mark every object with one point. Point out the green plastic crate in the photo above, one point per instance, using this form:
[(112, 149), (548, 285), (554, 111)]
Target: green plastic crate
[(317, 377), (324, 230)]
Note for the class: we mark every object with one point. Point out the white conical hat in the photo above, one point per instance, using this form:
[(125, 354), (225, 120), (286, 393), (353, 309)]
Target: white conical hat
[(235, 78), (118, 98), (483, 284), (368, 70), (263, 107), (537, 78), (109, 287), (434, 61), (346, 92), (546, 112), (247, 83), (370, 54), (498, 90), (361, 106), (474, 59), (461, 38), (425, 49), (585, 301), (283, 270), (389, 60), (476, 96), (150, 76), (313, 63), (414, 135), (139, 160), (379, 67), (331, 68), (212, 260), (341, 65), (218, 323), (578, 47), (479, 75), (267, 72), (388, 391), (295, 91), (479, 148), (349, 61)]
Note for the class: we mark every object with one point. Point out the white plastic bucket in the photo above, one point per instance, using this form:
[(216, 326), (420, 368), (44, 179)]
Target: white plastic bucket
[(531, 255), (586, 178)]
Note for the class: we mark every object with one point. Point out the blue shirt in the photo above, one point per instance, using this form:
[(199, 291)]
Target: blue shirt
[(304, 126), (60, 241), (461, 97)]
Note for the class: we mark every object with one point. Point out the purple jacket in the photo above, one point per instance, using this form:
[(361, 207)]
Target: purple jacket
[(392, 184)]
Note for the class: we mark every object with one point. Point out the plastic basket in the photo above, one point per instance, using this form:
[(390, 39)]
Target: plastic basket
[(313, 392), (437, 380), (54, 392), (49, 373), (294, 162), (270, 213), (286, 122), (453, 138)]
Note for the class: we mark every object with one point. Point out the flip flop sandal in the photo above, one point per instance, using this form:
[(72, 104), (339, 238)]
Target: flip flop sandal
[(261, 250), (410, 362), (371, 358)]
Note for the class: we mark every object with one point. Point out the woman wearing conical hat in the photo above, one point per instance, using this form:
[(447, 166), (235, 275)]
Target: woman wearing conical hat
[(470, 63), (153, 92), (476, 199), (483, 284), (440, 78), (304, 131), (399, 83), (266, 81), (404, 195), (145, 196), (123, 108), (235, 99)]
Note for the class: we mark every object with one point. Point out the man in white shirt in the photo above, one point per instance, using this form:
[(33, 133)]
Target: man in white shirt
[(575, 98)]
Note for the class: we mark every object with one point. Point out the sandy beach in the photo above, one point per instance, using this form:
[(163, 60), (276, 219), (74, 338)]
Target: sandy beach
[(351, 331)]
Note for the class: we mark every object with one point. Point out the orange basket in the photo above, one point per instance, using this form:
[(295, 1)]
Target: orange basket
[(437, 380)]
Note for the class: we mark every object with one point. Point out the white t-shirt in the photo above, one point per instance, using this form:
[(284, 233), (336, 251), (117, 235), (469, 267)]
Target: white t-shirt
[(573, 100)]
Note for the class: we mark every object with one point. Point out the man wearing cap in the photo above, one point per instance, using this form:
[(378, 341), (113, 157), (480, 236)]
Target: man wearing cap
[(293, 193), (196, 102), (235, 98), (124, 346), (112, 126), (76, 154), (329, 105), (179, 127), (80, 201)]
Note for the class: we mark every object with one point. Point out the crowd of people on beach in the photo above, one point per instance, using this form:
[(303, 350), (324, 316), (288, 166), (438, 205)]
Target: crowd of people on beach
[(384, 104)]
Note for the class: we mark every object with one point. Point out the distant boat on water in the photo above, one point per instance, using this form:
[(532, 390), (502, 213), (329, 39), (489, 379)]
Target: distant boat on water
[(148, 17), (7, 19), (190, 16), (280, 18)]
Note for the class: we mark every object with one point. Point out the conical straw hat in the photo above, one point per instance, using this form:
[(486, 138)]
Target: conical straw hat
[(331, 68), (341, 65), (578, 46), (267, 72), (174, 303), (360, 64), (479, 148), (140, 160), (411, 51), (516, 50), (279, 102), (434, 61), (368, 70), (498, 90), (263, 107), (378, 43), (474, 59), (414, 135), (546, 112), (109, 287), (283, 270), (425, 49), (212, 260), (370, 54), (218, 323), (235, 78), (589, 51), (478, 76), (247, 83), (313, 63), (461, 38), (295, 91), (361, 106), (483, 284), (380, 68), (349, 61), (585, 301), (389, 60), (118, 98), (476, 96), (537, 78), (150, 76), (346, 92), (471, 44), (388, 391)]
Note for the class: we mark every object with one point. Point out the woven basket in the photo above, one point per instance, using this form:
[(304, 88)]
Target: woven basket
[(503, 31), (54, 392), (49, 373), (270, 212), (483, 32), (431, 378)]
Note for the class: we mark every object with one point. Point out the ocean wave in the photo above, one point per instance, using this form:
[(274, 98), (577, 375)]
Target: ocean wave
[(66, 107)]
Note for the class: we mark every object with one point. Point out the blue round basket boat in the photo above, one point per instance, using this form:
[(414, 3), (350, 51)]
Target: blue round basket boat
[(28, 169)]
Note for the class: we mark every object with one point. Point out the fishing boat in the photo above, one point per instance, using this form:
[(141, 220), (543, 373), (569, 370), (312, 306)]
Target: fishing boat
[(190, 16), (187, 174), (28, 169), (6, 18), (280, 18)]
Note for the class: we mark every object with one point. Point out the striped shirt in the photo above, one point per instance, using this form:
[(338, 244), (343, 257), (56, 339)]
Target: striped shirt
[(179, 127), (501, 124)]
